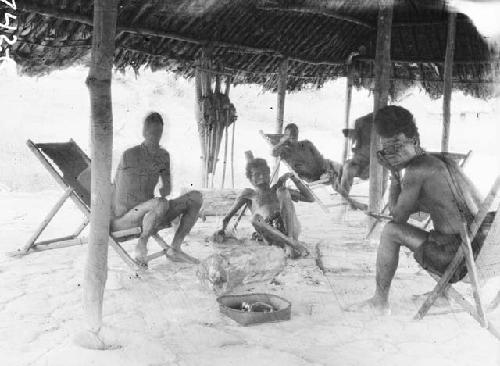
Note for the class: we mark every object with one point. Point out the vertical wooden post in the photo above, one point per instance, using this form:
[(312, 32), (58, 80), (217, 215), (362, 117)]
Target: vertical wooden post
[(448, 73), (280, 113), (226, 131), (232, 156), (381, 96), (348, 99), (199, 117), (101, 127)]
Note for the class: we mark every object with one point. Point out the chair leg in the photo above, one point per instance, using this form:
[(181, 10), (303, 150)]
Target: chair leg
[(472, 271), (45, 222), (441, 286), (122, 253)]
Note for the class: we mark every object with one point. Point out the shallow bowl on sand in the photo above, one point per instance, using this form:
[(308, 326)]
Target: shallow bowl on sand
[(231, 306)]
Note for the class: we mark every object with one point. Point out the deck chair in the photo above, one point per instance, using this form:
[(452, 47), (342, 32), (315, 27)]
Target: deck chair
[(465, 252), (65, 161), (273, 139)]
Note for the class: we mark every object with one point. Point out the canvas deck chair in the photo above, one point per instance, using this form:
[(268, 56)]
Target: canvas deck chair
[(65, 161), (273, 139), (465, 252)]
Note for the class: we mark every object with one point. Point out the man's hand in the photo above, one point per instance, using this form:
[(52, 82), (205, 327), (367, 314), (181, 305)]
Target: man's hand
[(282, 180), (164, 192)]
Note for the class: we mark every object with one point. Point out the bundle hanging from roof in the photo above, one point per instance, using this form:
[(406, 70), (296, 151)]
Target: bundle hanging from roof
[(215, 113)]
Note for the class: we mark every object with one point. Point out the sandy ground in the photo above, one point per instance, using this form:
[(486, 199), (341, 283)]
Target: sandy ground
[(167, 317)]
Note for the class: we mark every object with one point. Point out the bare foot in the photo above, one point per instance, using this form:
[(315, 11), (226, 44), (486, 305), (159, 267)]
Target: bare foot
[(140, 255), (371, 306), (177, 255)]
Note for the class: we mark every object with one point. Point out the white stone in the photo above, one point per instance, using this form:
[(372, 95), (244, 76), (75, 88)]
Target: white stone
[(239, 263)]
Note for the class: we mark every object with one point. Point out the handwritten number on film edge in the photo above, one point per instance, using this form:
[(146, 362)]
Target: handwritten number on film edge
[(6, 25)]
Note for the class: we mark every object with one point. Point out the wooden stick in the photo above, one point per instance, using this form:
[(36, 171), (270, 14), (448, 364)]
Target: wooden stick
[(324, 12), (448, 72), (232, 156), (457, 260), (127, 232), (348, 100), (280, 110), (46, 221), (167, 247), (225, 154), (381, 96), (472, 271)]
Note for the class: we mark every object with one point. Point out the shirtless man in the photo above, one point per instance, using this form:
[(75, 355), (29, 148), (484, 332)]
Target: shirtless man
[(419, 182), (134, 204), (359, 164), (303, 157), (272, 207)]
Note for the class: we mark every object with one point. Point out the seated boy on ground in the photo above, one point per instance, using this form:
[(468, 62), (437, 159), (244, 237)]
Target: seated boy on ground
[(419, 182), (273, 211), (134, 204)]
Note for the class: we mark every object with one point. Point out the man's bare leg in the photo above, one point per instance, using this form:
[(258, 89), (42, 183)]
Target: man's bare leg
[(349, 171), (275, 237), (187, 206), (393, 236), (147, 215), (288, 215)]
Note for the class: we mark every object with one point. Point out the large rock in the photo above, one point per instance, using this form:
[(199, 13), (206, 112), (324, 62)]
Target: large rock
[(240, 263)]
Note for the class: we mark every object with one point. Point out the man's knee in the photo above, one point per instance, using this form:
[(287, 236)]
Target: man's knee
[(195, 198), (391, 230)]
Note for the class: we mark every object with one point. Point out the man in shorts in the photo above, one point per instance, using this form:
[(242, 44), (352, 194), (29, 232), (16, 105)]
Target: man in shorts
[(419, 182)]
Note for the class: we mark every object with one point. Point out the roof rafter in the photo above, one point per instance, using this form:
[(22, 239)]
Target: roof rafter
[(324, 12), (71, 16)]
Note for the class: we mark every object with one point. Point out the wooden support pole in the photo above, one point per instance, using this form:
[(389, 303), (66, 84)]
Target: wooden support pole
[(448, 84), (381, 96), (232, 156), (280, 112), (99, 85), (226, 132), (348, 99)]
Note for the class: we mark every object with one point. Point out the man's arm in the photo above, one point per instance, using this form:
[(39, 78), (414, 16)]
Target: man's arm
[(280, 147), (407, 199), (242, 199), (302, 194), (166, 185)]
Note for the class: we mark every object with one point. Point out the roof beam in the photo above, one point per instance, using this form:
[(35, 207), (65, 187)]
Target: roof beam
[(83, 19), (323, 12)]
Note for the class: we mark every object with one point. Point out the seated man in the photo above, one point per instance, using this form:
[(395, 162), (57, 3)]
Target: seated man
[(303, 157), (359, 164), (134, 204), (424, 186), (272, 208)]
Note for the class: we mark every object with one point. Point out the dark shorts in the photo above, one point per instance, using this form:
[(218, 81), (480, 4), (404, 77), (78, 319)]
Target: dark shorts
[(436, 256)]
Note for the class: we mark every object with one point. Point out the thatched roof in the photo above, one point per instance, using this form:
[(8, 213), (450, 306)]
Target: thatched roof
[(247, 39)]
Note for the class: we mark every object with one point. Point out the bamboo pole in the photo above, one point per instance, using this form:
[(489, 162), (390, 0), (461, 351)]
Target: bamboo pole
[(99, 85), (280, 112), (381, 96), (348, 100), (225, 155), (232, 156), (448, 83)]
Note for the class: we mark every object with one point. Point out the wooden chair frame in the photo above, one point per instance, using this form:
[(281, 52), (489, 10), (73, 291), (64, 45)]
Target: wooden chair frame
[(467, 235), (83, 205)]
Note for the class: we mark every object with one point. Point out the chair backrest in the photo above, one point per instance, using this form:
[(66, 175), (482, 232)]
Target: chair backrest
[(68, 160)]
